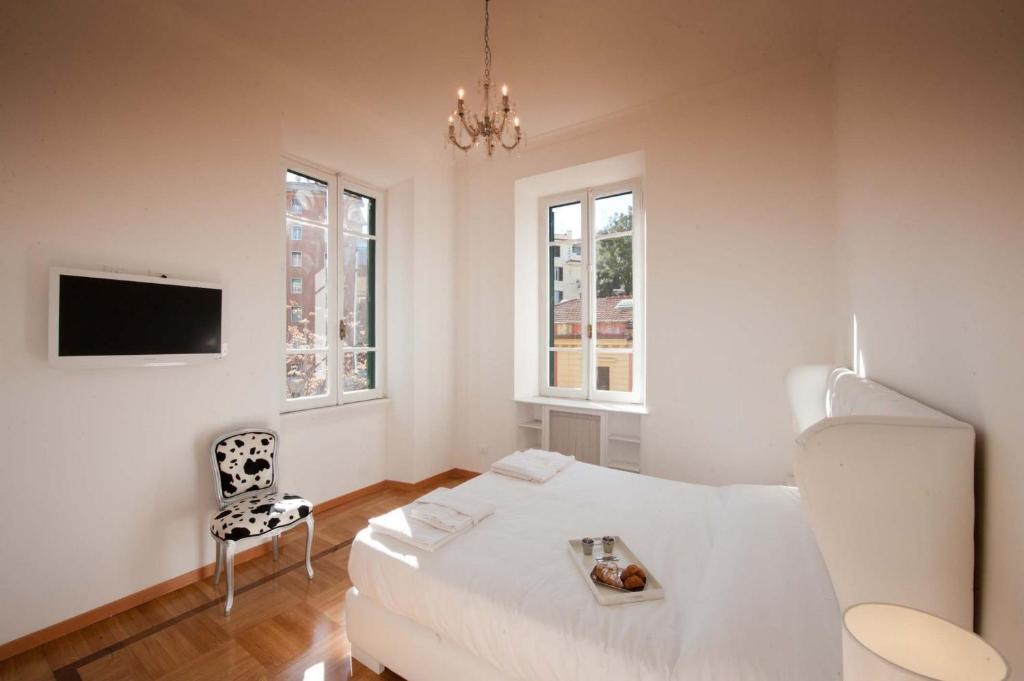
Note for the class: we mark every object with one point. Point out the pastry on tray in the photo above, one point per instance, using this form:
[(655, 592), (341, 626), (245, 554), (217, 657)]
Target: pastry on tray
[(607, 573), (630, 578)]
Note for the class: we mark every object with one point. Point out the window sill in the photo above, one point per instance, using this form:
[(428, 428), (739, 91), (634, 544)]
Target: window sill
[(590, 405), (345, 408)]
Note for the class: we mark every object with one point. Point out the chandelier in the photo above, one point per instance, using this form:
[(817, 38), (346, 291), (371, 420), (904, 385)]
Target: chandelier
[(492, 127)]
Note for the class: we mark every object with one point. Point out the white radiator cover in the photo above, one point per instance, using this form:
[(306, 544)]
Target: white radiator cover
[(576, 435)]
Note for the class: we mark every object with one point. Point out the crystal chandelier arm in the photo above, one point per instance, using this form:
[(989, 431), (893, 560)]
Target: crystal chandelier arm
[(510, 147), (474, 131), (517, 129), (454, 140)]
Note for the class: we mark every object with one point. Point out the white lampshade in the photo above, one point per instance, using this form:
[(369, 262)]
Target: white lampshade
[(923, 644)]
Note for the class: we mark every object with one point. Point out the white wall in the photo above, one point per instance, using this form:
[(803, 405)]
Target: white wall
[(929, 131), (137, 139), (420, 325), (739, 283)]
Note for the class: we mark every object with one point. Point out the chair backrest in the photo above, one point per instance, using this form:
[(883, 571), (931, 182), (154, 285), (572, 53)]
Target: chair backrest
[(244, 461)]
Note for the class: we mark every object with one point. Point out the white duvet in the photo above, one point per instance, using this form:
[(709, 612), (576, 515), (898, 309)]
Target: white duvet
[(747, 596)]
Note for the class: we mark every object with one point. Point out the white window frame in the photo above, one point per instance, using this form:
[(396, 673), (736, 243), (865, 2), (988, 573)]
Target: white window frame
[(378, 288), (588, 303), (336, 185)]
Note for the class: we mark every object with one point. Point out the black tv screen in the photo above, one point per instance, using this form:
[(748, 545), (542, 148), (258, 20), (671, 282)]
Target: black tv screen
[(102, 317)]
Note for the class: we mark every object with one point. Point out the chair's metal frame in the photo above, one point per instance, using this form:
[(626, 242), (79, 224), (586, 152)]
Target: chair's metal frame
[(226, 547)]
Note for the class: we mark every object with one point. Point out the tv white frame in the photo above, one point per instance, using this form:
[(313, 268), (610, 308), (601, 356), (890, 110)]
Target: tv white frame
[(111, 361)]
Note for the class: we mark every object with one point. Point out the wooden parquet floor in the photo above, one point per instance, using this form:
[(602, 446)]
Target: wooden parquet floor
[(282, 626)]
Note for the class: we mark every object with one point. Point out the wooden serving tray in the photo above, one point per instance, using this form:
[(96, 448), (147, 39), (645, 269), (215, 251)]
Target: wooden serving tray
[(609, 595)]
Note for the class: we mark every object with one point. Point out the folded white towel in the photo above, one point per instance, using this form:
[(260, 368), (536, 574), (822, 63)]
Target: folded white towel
[(535, 465), (441, 517), (450, 509), (401, 525)]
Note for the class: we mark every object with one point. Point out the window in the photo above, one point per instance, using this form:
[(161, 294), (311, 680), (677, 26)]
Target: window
[(332, 339), (593, 284)]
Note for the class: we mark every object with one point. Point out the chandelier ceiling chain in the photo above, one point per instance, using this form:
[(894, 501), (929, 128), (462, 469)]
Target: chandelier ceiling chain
[(487, 41), (491, 127)]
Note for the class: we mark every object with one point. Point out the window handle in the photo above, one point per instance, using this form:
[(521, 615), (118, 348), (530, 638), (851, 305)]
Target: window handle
[(590, 330), (341, 329)]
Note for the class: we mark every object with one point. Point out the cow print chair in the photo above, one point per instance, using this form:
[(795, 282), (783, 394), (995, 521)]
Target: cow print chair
[(246, 471)]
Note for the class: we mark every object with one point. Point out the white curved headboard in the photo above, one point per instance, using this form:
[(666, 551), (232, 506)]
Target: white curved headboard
[(888, 487)]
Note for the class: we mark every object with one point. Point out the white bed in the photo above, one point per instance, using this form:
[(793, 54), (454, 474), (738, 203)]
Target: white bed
[(886, 483), (747, 593)]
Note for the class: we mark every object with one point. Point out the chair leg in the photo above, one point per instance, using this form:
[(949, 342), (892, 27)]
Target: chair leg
[(220, 561), (229, 559), (309, 545), (277, 549)]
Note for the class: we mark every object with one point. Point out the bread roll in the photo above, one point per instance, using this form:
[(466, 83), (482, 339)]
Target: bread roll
[(633, 583)]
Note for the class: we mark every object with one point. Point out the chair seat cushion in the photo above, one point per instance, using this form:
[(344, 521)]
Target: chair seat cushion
[(259, 514)]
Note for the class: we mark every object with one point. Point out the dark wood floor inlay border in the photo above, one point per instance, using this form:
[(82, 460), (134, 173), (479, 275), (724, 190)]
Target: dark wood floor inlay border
[(69, 672)]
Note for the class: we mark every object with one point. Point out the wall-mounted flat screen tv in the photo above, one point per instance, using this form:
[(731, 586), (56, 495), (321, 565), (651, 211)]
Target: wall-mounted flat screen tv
[(102, 319)]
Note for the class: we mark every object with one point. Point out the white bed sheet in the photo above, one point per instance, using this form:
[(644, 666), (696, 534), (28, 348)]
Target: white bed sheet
[(747, 596)]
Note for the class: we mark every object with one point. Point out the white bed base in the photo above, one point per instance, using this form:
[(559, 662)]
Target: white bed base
[(382, 638)]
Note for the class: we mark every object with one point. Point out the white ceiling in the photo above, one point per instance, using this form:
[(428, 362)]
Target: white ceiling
[(566, 61)]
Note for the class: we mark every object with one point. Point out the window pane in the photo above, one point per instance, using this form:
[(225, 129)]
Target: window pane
[(615, 292), (360, 371), (359, 213), (566, 313), (358, 263), (615, 371), (613, 214), (565, 222), (305, 197), (307, 290), (306, 375), (565, 369)]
